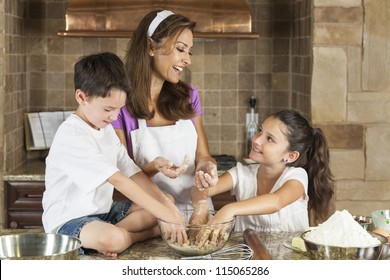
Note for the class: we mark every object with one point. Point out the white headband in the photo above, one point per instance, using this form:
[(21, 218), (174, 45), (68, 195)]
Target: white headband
[(157, 20)]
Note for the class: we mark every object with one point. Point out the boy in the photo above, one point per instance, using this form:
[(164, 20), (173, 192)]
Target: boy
[(87, 161)]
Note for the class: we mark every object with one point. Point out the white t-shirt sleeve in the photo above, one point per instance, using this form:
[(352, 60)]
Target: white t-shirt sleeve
[(297, 173), (89, 157), (84, 164), (244, 180), (125, 163)]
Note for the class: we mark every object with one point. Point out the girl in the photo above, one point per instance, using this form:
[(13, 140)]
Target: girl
[(273, 195)]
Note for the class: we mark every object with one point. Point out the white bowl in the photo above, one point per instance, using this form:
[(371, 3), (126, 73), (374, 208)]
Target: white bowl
[(381, 219)]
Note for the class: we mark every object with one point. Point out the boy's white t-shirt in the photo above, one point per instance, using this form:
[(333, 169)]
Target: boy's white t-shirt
[(80, 161), (293, 217)]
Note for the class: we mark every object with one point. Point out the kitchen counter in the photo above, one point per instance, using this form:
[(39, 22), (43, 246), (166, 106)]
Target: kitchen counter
[(156, 249), (31, 170)]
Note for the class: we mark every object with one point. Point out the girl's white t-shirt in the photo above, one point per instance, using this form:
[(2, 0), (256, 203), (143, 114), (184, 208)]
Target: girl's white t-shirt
[(80, 161), (293, 217)]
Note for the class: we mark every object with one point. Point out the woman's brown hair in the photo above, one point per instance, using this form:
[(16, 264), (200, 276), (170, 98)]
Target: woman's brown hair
[(173, 102)]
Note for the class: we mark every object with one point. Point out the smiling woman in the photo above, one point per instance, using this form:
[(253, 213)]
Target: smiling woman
[(161, 124)]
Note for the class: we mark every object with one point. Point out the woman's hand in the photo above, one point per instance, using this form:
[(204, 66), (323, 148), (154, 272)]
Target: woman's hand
[(170, 170), (206, 175), (200, 216)]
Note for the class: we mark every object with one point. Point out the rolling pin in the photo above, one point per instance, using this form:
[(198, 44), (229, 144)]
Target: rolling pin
[(253, 240)]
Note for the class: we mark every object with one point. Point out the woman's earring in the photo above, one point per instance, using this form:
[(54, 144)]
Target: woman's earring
[(152, 54), (286, 160)]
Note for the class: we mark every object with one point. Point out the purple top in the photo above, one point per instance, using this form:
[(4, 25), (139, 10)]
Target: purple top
[(128, 123)]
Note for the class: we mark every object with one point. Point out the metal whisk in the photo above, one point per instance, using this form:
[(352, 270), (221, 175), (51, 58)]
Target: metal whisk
[(234, 252)]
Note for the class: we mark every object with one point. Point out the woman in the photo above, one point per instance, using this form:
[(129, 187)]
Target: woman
[(161, 124)]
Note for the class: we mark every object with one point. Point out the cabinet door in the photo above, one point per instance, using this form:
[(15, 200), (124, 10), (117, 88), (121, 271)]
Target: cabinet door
[(222, 199), (24, 220), (24, 195), (24, 204)]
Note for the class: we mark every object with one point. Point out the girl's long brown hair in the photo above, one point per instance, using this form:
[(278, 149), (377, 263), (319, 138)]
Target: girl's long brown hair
[(173, 102), (313, 157)]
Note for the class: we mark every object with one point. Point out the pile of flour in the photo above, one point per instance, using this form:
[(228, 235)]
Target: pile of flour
[(343, 231)]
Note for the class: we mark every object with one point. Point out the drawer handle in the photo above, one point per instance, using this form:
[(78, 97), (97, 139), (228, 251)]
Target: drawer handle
[(34, 196), (13, 225)]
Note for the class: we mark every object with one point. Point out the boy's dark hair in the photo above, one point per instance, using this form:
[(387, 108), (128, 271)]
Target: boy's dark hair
[(99, 73)]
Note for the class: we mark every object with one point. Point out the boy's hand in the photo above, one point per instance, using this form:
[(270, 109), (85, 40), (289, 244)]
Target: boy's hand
[(175, 231), (170, 170), (206, 175)]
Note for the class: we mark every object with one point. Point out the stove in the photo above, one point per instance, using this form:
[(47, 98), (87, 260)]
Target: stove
[(225, 162)]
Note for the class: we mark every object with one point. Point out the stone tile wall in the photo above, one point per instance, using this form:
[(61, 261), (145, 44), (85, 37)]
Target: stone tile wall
[(2, 97), (14, 95), (13, 91), (226, 72), (350, 96)]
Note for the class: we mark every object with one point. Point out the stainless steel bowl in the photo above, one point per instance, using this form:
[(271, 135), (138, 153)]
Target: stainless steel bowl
[(364, 221), (325, 252), (191, 248), (39, 246), (385, 255)]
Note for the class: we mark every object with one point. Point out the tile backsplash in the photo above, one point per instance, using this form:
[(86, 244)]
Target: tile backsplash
[(38, 69)]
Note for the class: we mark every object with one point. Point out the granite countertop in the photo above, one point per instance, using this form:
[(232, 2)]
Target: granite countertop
[(157, 249), (31, 170)]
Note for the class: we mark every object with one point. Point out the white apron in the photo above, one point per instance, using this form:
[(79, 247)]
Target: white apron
[(172, 142)]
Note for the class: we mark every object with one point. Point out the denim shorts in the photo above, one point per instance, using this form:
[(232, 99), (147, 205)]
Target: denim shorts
[(117, 213)]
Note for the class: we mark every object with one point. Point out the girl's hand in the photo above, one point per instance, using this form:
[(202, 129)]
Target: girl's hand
[(170, 170), (206, 175), (216, 230)]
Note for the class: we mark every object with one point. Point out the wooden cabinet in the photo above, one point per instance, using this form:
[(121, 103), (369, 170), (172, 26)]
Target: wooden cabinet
[(222, 199), (24, 204)]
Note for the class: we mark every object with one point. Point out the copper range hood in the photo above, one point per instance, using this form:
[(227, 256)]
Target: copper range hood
[(229, 19)]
